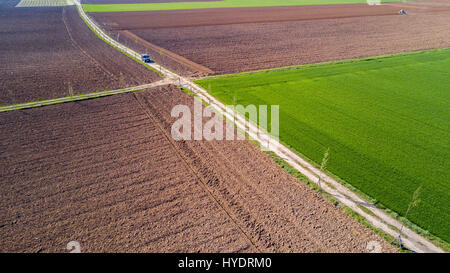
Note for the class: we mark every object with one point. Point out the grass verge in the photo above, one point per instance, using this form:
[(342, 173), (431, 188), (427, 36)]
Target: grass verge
[(79, 97)]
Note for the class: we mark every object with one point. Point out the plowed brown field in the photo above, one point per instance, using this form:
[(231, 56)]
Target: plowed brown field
[(261, 38), (106, 173), (45, 51), (227, 16)]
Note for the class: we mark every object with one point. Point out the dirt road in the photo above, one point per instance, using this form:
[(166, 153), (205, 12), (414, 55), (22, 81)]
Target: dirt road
[(49, 52), (237, 40), (376, 217)]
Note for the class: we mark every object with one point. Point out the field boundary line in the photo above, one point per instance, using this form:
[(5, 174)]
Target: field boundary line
[(192, 169), (85, 96), (377, 218), (344, 61)]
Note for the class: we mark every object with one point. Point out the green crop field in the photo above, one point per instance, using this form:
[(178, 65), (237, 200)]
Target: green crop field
[(214, 4), (385, 120)]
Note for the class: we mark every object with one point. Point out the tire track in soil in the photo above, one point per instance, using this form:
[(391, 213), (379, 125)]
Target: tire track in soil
[(76, 45), (146, 105), (350, 222), (49, 49)]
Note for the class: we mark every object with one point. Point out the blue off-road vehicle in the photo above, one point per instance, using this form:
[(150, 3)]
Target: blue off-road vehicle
[(146, 59)]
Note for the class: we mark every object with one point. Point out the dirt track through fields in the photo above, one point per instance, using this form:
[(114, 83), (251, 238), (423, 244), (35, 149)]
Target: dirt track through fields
[(225, 44), (104, 173)]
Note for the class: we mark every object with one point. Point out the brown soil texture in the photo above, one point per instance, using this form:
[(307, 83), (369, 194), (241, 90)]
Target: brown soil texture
[(107, 173), (43, 51), (225, 16), (251, 46), (163, 52)]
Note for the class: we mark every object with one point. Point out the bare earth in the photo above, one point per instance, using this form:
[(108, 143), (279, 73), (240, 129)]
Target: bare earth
[(226, 16), (45, 51), (106, 173), (250, 39)]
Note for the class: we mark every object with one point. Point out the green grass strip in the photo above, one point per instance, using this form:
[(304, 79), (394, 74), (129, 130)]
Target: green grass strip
[(213, 4)]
